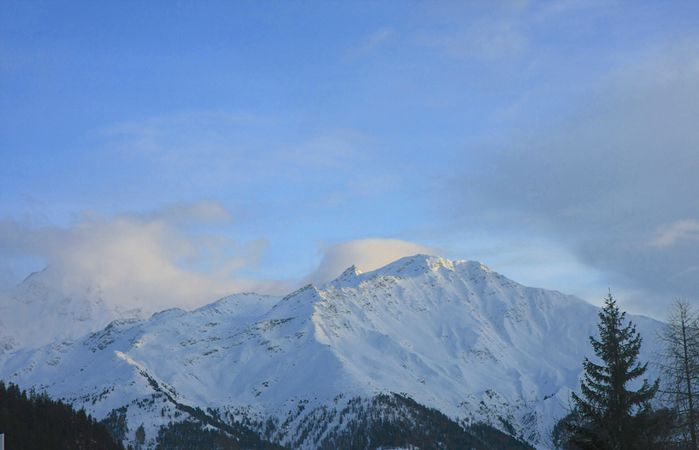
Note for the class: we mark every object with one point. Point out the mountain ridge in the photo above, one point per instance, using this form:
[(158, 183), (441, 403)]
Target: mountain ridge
[(452, 335)]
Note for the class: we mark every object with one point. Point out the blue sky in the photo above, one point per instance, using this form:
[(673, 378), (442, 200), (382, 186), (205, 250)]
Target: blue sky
[(244, 143)]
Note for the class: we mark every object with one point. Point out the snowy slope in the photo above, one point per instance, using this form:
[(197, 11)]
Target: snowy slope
[(40, 311), (452, 335)]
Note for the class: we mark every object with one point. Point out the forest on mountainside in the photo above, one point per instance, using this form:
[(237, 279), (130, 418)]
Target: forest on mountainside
[(34, 421)]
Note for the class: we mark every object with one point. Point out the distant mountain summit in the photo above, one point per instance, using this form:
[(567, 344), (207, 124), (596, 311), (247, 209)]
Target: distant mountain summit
[(41, 310), (303, 369)]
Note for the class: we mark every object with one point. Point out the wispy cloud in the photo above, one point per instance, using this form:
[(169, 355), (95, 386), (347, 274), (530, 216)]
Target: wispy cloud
[(161, 258), (366, 254), (211, 145), (482, 41), (139, 260), (605, 176), (236, 148), (371, 42), (674, 233)]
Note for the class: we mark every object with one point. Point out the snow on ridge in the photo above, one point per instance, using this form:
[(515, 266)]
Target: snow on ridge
[(348, 277), (166, 313), (351, 271), (241, 304), (413, 266), (55, 314), (453, 335)]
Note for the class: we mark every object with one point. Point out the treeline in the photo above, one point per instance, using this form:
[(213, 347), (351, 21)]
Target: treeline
[(34, 421), (386, 421), (192, 434), (398, 421), (617, 408)]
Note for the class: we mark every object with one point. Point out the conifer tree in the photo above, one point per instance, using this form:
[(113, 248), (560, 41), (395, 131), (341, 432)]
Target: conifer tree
[(34, 421), (611, 415), (140, 437)]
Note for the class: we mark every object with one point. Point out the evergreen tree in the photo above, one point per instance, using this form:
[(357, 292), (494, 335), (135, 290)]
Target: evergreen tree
[(140, 437), (34, 421), (116, 424), (611, 415)]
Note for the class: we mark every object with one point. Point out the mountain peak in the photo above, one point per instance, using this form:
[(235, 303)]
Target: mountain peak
[(351, 271), (452, 335), (415, 265), (348, 276), (244, 304)]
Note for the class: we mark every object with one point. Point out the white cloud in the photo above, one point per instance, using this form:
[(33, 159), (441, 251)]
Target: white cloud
[(366, 254), (154, 260), (670, 234), (139, 260), (604, 177)]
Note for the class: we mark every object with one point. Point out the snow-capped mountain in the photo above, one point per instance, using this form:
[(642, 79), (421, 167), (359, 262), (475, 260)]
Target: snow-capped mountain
[(452, 335), (40, 311)]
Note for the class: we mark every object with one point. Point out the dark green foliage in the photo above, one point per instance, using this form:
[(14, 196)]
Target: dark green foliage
[(493, 438), (140, 437), (655, 435), (116, 424), (192, 435), (562, 432), (609, 414), (399, 421), (387, 420), (35, 421), (245, 437)]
